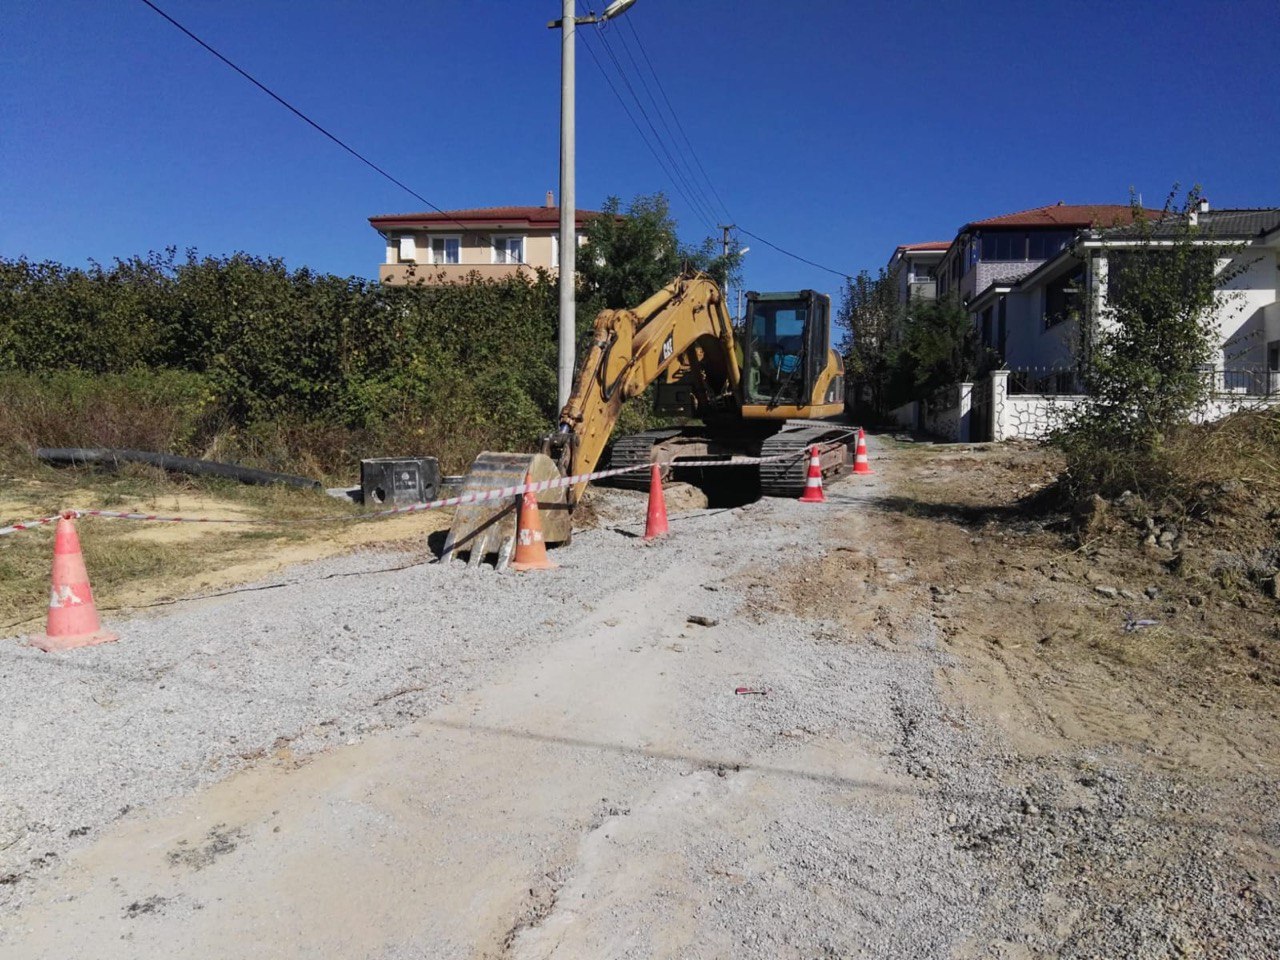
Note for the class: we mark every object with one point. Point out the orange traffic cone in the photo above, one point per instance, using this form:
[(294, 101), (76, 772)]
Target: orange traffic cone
[(531, 550), (655, 524), (860, 464), (813, 483), (73, 618)]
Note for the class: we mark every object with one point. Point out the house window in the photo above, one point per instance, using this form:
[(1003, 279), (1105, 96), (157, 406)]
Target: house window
[(1004, 246), (1046, 244), (921, 272), (508, 249), (1062, 299), (408, 250), (446, 249)]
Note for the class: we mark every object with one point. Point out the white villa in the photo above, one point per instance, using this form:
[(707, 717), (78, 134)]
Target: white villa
[(1030, 322)]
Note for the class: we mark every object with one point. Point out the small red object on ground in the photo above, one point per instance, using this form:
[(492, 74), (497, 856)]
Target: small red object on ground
[(758, 691)]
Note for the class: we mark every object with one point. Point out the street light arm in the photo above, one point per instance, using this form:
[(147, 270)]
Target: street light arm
[(615, 9)]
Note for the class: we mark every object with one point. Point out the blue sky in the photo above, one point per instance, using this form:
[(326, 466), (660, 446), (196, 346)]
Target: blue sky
[(835, 129)]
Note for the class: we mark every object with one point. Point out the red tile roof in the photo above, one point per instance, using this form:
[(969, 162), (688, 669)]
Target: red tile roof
[(1066, 215), (927, 245), (482, 217)]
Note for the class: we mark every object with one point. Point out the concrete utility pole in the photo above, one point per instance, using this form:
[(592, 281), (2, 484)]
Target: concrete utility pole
[(567, 25), (568, 215)]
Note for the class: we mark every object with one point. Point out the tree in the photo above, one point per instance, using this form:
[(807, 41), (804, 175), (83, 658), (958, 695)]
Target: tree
[(872, 318), (938, 348), (628, 258), (1147, 348)]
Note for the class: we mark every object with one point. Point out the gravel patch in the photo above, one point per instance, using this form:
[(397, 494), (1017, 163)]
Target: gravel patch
[(335, 650)]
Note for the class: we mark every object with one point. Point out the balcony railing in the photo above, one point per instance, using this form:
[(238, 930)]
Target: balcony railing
[(1250, 381)]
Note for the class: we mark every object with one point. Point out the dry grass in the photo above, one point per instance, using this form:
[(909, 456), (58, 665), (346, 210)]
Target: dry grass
[(135, 563), (1241, 451)]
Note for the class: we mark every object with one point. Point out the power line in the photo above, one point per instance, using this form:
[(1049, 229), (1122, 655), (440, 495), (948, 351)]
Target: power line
[(636, 123), (844, 274), (795, 256), (676, 117), (681, 155), (672, 167), (699, 204), (312, 123)]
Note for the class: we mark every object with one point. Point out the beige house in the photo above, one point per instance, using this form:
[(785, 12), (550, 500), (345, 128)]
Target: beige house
[(491, 241)]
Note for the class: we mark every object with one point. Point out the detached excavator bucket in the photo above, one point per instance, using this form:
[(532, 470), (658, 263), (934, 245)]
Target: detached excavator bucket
[(481, 530)]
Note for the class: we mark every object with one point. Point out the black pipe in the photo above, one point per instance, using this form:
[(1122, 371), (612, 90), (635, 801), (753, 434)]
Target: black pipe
[(167, 461)]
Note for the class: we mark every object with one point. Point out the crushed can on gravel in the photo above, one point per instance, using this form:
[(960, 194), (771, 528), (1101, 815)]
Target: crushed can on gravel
[(488, 529)]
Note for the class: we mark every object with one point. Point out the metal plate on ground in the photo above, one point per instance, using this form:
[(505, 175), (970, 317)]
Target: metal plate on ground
[(484, 530)]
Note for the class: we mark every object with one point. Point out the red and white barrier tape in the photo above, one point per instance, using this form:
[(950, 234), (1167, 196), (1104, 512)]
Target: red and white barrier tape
[(26, 525), (501, 493)]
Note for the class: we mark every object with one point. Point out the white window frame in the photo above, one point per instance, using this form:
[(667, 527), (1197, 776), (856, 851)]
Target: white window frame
[(444, 238), (505, 239), (555, 245), (407, 241)]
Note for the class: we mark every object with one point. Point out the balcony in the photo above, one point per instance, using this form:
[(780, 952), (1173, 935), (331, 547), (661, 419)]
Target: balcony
[(923, 289), (433, 273)]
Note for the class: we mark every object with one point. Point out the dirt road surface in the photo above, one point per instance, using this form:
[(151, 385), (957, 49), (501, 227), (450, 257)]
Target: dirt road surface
[(429, 762)]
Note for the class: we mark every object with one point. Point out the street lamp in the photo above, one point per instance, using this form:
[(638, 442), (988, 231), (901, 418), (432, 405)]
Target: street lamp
[(568, 215)]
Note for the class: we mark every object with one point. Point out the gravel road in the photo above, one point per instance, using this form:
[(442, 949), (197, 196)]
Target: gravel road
[(436, 762)]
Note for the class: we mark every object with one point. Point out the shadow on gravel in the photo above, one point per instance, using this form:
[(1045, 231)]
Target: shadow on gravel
[(725, 766), (1040, 509)]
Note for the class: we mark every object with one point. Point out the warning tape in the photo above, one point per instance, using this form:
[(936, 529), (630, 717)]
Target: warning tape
[(27, 525), (482, 496)]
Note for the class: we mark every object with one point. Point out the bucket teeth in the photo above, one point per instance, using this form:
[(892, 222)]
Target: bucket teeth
[(488, 529)]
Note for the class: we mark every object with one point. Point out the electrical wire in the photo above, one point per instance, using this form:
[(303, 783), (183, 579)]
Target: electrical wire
[(795, 256), (670, 166), (690, 191), (676, 117), (312, 123), (636, 123), (691, 178), (844, 274), (701, 208)]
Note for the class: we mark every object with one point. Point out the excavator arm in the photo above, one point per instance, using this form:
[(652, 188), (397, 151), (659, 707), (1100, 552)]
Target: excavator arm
[(681, 331), (682, 328)]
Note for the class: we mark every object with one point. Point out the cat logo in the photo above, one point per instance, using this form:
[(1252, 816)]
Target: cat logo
[(668, 348)]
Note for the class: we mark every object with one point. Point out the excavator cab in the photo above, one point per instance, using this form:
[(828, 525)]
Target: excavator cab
[(786, 349)]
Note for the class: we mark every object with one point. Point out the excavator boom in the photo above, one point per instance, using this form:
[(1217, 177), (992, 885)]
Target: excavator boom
[(683, 327)]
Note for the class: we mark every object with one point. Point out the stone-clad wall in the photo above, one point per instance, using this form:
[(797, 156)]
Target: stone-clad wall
[(1029, 416), (1026, 416), (1033, 416)]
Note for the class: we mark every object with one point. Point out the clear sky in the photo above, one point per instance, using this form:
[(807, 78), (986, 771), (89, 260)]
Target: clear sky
[(834, 129)]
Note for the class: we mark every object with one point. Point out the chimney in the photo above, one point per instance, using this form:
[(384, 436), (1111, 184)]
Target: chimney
[(551, 199), (1202, 206)]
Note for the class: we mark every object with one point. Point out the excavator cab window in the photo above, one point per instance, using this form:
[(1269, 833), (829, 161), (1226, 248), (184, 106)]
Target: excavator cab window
[(780, 349)]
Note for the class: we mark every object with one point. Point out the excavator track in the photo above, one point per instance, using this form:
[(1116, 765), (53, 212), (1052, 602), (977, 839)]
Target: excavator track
[(634, 450), (785, 478), (777, 478)]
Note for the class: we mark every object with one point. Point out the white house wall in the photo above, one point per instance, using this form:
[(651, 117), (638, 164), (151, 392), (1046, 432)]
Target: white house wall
[(1027, 343), (1249, 308)]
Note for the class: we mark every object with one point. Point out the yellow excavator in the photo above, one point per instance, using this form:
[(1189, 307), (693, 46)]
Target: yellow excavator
[(777, 389)]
